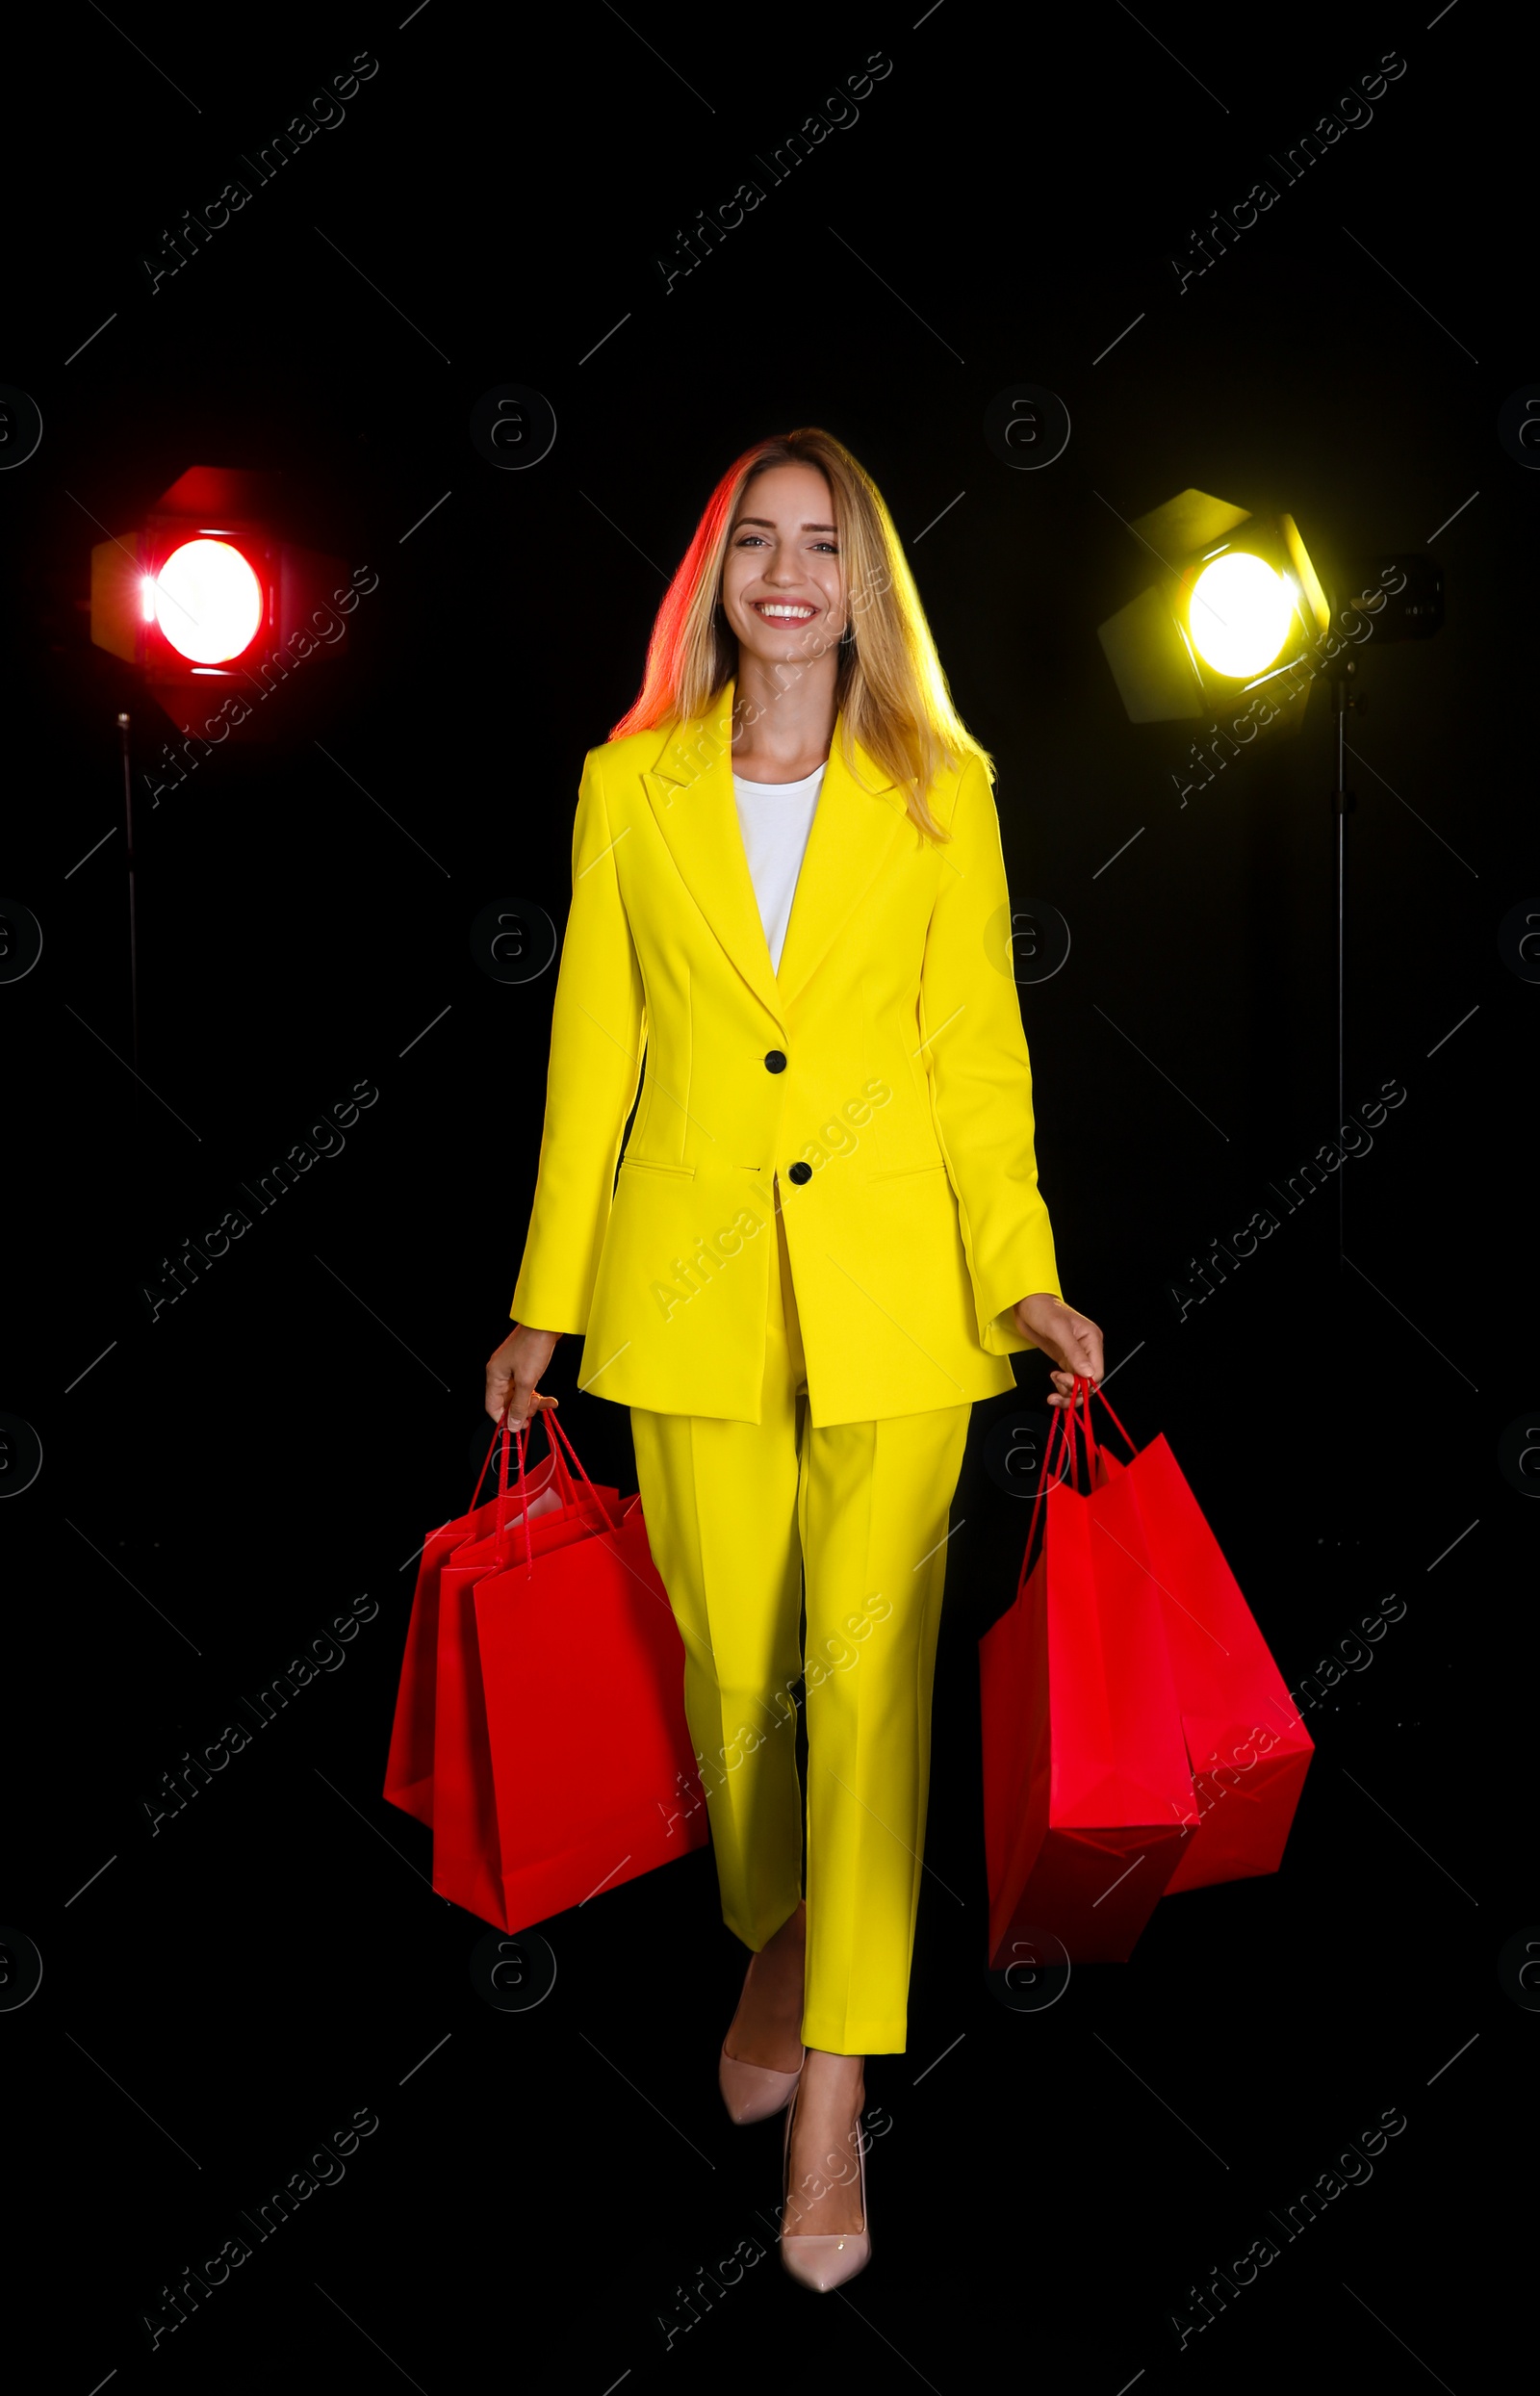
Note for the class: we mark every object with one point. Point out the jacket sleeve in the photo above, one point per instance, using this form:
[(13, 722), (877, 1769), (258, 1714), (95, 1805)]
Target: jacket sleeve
[(598, 1033), (975, 1054)]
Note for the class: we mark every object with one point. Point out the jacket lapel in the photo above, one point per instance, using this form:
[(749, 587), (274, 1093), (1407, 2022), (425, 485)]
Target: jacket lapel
[(690, 790), (854, 830)]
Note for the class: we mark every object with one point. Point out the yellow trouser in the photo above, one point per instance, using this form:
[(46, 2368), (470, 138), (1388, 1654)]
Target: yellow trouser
[(736, 1514)]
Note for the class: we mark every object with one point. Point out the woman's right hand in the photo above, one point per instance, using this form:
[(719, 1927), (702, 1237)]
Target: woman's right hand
[(513, 1375)]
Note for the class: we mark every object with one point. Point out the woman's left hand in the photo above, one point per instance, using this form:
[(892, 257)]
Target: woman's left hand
[(1071, 1340)]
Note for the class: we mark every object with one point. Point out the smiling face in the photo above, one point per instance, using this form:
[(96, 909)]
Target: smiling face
[(782, 584)]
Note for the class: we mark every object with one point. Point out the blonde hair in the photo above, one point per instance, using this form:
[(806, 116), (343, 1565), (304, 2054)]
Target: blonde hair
[(891, 690)]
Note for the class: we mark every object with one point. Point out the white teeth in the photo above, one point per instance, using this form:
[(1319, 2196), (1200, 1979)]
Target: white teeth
[(797, 616)]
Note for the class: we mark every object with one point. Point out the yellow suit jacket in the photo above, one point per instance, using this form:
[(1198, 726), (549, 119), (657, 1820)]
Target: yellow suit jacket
[(886, 1056)]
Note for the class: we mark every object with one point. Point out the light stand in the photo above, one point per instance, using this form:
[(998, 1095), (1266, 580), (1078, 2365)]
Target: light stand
[(1393, 598), (133, 928), (1345, 700)]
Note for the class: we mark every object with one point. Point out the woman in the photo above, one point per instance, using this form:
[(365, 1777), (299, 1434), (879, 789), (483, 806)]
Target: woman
[(823, 1241)]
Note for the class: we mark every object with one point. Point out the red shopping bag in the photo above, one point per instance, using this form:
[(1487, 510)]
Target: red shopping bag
[(1087, 1796), (409, 1769), (466, 1860), (1248, 1749), (593, 1766)]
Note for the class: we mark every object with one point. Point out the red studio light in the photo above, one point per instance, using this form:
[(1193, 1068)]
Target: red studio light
[(217, 610), (208, 599)]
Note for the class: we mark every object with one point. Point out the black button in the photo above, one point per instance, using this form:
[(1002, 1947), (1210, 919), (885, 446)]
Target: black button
[(775, 1062), (800, 1173)]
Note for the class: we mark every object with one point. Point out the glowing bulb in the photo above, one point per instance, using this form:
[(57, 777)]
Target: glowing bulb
[(1239, 614), (208, 601)]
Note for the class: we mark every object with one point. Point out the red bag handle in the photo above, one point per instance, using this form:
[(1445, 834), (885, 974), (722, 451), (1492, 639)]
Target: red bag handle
[(1081, 1397), (520, 1438), (1094, 1389), (1056, 1430), (1084, 1389), (1076, 1427), (551, 1425), (1067, 1422), (500, 1432), (520, 1441), (554, 1433)]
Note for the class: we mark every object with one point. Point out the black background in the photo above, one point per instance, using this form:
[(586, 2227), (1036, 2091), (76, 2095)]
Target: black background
[(222, 1996)]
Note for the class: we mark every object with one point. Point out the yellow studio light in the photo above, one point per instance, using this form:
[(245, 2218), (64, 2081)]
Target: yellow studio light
[(1235, 602), (1238, 613)]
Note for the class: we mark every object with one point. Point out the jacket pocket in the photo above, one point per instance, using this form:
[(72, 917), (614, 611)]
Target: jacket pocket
[(646, 1165), (907, 1173)]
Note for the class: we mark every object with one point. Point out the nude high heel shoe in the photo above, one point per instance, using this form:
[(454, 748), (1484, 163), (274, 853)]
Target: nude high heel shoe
[(751, 2090), (825, 2262)]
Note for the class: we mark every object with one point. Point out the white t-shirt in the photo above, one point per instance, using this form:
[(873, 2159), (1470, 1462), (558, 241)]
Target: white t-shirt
[(775, 820)]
